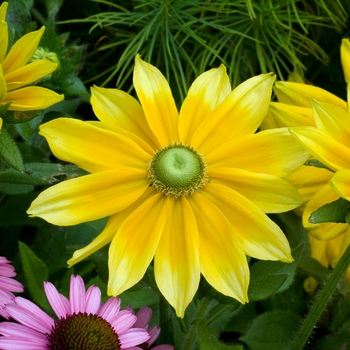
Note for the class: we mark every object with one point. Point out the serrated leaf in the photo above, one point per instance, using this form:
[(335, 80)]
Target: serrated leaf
[(264, 286), (9, 151), (209, 341), (36, 272), (41, 174), (272, 330), (336, 211)]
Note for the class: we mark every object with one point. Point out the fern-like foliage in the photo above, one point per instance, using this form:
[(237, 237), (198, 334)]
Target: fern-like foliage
[(186, 37)]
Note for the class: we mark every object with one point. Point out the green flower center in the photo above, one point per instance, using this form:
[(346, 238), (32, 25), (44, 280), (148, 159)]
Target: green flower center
[(83, 331), (177, 170)]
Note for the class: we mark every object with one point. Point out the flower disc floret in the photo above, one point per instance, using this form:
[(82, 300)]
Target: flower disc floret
[(83, 331), (177, 170)]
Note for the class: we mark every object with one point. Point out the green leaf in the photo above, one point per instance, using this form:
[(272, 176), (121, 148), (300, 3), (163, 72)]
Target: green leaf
[(316, 163), (9, 151), (337, 211), (272, 330), (283, 273), (41, 174), (36, 272), (264, 286), (209, 341)]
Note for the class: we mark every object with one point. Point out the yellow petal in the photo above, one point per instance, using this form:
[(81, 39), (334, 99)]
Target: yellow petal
[(333, 120), (123, 114), (135, 244), (270, 193), (157, 101), (176, 264), (3, 89), (345, 58), (340, 183), (308, 180), (3, 39), (329, 151), (259, 236), (271, 152), (29, 73), (110, 229), (3, 10), (90, 197), (301, 94), (337, 248), (93, 149), (204, 95), (281, 115), (238, 115), (31, 98), (223, 262), (22, 50), (327, 231), (322, 231)]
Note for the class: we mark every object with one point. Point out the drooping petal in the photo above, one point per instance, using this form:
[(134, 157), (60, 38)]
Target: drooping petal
[(22, 50), (324, 231), (204, 95), (135, 243), (157, 101), (176, 263), (271, 152), (240, 114), (281, 115), (301, 94), (259, 236), (90, 197), (329, 151), (340, 183), (345, 58), (110, 229), (332, 120), (93, 149), (29, 73), (223, 262), (122, 113), (31, 98), (3, 39), (308, 180), (270, 193)]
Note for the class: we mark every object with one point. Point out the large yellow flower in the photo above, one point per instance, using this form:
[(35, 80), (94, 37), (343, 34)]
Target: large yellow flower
[(189, 189), (16, 74)]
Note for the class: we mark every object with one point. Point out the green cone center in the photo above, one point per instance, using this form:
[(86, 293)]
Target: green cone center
[(177, 167), (177, 170), (83, 331)]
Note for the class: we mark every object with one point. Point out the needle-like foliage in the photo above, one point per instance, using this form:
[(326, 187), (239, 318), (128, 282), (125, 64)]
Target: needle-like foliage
[(185, 38)]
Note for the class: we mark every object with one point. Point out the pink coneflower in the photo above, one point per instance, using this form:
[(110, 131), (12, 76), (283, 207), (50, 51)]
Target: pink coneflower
[(143, 317), (7, 285), (83, 322)]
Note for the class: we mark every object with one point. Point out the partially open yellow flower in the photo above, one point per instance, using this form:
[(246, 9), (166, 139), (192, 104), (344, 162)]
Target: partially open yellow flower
[(295, 108), (16, 74), (189, 189)]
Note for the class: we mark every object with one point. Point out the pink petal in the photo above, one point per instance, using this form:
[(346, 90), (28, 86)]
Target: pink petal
[(59, 303)]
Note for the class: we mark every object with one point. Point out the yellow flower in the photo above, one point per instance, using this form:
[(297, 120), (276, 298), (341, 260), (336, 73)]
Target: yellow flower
[(189, 189), (16, 74), (295, 108)]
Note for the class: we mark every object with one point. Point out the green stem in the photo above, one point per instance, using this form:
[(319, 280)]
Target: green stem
[(192, 335), (321, 302)]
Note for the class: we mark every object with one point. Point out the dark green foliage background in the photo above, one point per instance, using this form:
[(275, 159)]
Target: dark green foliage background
[(188, 37)]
